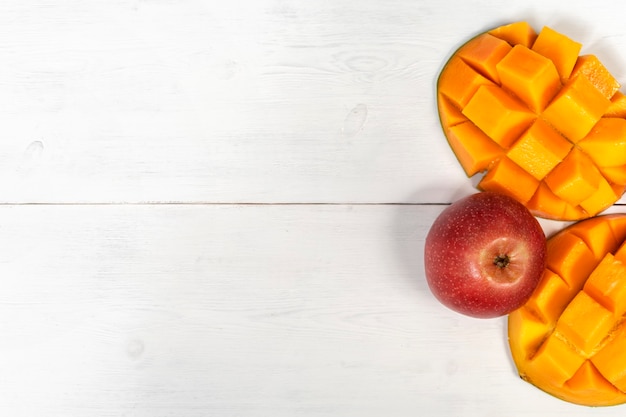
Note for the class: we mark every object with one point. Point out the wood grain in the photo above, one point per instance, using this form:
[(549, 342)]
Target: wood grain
[(235, 310), (147, 101), (218, 208), (229, 310)]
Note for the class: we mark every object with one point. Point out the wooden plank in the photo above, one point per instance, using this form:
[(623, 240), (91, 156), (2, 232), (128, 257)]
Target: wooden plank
[(304, 310), (261, 101)]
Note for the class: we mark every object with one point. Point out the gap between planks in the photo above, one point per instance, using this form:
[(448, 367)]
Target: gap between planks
[(207, 203)]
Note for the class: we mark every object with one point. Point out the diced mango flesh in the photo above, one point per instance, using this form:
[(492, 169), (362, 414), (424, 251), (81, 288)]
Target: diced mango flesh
[(607, 284), (571, 259), (599, 237), (545, 203), (606, 142), (562, 50), (557, 115), (460, 81), (508, 178), (539, 149), (588, 381), (449, 113), (575, 178), (506, 119), (611, 361), (620, 253), (602, 198), (530, 76), (530, 332), (618, 106), (556, 361), (550, 297), (615, 175), (577, 101), (569, 339), (516, 33), (590, 67), (472, 147), (483, 53), (585, 323)]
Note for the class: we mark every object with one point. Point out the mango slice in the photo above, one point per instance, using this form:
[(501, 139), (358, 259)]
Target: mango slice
[(569, 339), (536, 120)]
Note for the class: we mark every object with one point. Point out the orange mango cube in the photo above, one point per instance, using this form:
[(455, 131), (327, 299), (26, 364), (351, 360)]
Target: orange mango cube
[(556, 360), (620, 253), (499, 179), (545, 203), (539, 149), (606, 142), (559, 48), (530, 76), (542, 302), (516, 33), (588, 382), (461, 82), (506, 119), (611, 361), (599, 236), (618, 226), (529, 330), (590, 67), (585, 323), (571, 259), (575, 179), (483, 53), (449, 113), (475, 150), (578, 100), (607, 284), (603, 198), (617, 108), (616, 175)]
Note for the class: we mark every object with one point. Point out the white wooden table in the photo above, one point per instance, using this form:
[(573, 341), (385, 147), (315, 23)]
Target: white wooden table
[(218, 208)]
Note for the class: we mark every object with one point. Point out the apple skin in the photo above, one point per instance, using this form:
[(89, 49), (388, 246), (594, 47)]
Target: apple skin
[(484, 255)]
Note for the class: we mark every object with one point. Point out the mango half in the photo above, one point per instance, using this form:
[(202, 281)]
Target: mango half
[(539, 121), (569, 339)]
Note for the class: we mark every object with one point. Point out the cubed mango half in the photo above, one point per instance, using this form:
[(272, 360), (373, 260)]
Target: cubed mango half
[(542, 104), (569, 339)]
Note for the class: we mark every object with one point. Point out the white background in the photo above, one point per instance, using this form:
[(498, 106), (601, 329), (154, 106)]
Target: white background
[(218, 208)]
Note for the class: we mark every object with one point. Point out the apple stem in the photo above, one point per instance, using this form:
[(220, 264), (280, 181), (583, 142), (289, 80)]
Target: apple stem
[(501, 261)]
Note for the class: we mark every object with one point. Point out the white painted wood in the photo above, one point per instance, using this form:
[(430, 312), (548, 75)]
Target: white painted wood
[(115, 303), (240, 311), (263, 101)]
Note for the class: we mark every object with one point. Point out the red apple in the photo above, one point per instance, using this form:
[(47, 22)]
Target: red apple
[(484, 255)]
